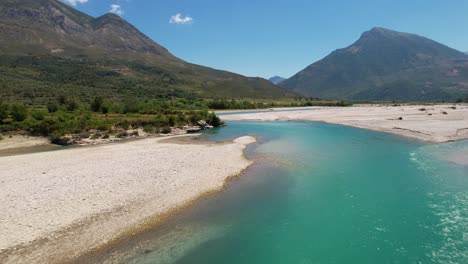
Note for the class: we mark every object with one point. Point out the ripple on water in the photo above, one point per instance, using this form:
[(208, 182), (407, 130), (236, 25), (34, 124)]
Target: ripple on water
[(448, 202)]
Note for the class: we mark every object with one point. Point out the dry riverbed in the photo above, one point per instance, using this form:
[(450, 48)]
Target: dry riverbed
[(435, 123), (58, 205)]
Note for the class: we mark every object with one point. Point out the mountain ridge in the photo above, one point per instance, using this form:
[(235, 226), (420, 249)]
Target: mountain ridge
[(386, 65), (56, 44)]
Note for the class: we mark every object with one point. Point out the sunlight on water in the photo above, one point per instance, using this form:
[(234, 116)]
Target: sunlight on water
[(449, 203)]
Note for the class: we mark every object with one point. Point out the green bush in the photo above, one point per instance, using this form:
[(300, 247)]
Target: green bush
[(124, 124), (38, 115), (214, 120), (150, 129), (96, 104), (166, 130), (72, 105), (52, 107), (19, 113), (3, 112), (171, 121), (105, 109)]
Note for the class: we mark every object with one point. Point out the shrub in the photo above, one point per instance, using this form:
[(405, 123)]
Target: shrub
[(171, 121), (52, 107), (149, 129), (96, 104), (44, 127), (19, 113), (122, 134), (105, 109), (124, 124), (38, 115), (3, 112), (62, 99), (166, 130), (57, 139), (214, 120), (72, 105)]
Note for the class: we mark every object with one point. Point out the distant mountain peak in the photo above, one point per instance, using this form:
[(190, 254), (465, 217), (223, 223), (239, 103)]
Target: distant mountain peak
[(380, 30), (384, 64), (276, 79)]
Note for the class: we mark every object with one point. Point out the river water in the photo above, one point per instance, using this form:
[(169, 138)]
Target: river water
[(320, 193)]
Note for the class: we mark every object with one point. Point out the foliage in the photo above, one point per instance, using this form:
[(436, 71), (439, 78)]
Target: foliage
[(3, 112), (70, 116), (96, 104), (18, 113), (214, 120), (166, 130), (52, 107)]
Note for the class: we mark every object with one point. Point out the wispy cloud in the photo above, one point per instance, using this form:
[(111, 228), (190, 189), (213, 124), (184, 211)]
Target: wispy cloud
[(178, 19), (116, 9), (75, 2)]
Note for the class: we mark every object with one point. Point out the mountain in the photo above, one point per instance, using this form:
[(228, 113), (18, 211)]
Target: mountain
[(47, 47), (276, 79), (386, 65)]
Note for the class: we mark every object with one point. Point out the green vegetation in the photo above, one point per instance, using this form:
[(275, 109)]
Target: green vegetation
[(69, 118), (65, 118), (297, 102)]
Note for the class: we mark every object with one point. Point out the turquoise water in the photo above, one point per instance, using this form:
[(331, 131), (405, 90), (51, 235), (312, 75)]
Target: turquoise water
[(322, 193)]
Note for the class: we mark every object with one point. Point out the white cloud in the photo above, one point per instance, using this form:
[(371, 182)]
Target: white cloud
[(178, 19), (116, 9), (75, 2)]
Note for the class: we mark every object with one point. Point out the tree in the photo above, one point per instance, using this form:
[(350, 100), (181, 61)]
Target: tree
[(96, 104), (52, 107), (105, 108), (72, 104), (171, 121), (3, 112), (19, 113), (214, 120)]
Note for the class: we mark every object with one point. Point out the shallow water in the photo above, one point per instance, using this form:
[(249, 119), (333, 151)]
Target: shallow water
[(321, 193)]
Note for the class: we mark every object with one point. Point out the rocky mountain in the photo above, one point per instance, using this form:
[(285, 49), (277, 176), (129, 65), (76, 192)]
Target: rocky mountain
[(386, 65), (47, 46), (276, 79)]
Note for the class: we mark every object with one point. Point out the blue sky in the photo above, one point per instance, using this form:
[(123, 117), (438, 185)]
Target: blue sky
[(279, 37)]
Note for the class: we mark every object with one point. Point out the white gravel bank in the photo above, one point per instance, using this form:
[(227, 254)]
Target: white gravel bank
[(428, 123), (56, 205)]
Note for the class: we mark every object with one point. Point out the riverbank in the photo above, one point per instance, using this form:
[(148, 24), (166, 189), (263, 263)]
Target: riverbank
[(434, 123), (20, 141), (59, 205)]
